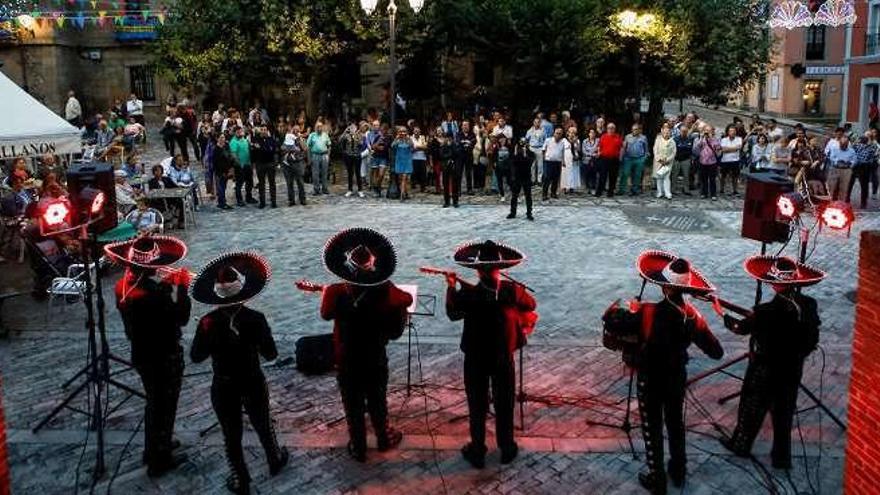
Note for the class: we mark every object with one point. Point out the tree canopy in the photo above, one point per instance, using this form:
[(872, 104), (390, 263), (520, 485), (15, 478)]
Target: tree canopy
[(550, 52)]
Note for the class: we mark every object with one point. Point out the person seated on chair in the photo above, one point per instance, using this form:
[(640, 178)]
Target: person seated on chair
[(125, 194), (134, 132), (144, 219), (19, 170), (182, 176), (133, 166), (15, 204), (159, 179), (49, 165), (103, 137)]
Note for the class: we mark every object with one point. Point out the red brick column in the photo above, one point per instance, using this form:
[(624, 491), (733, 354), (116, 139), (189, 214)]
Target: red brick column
[(4, 465), (862, 474)]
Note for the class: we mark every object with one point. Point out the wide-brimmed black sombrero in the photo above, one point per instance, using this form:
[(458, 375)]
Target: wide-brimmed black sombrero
[(147, 252), (667, 270), (360, 256), (231, 278), (782, 270), (487, 254)]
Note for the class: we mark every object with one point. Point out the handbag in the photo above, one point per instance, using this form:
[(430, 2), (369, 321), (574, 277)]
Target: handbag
[(662, 172)]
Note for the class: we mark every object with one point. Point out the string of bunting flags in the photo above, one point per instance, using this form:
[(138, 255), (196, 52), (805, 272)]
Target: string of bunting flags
[(102, 14)]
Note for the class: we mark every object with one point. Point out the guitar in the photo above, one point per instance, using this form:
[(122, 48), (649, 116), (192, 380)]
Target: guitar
[(525, 320), (309, 286)]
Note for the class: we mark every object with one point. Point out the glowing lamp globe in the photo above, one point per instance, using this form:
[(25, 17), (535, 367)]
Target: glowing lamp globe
[(416, 5), (369, 6)]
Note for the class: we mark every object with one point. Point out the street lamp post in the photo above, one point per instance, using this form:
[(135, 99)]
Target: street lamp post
[(369, 6), (634, 26)]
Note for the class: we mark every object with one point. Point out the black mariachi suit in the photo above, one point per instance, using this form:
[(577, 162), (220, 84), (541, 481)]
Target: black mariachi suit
[(662, 375), (465, 142), (491, 334), (783, 335), (235, 338), (451, 171), (152, 322), (365, 319), (522, 180)]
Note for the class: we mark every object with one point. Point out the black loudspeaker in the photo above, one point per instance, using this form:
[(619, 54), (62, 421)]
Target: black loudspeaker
[(314, 354), (759, 209), (97, 176)]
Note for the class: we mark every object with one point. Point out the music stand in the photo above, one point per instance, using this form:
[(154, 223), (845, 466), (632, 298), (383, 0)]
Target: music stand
[(422, 305)]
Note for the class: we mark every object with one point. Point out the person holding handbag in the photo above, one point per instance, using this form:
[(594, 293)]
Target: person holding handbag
[(664, 156)]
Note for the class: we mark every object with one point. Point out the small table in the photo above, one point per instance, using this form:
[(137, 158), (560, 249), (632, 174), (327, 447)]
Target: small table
[(184, 194)]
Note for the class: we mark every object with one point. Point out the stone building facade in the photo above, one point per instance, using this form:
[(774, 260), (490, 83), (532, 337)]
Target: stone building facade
[(99, 64)]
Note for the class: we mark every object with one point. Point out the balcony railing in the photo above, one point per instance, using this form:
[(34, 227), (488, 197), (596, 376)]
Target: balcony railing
[(872, 44)]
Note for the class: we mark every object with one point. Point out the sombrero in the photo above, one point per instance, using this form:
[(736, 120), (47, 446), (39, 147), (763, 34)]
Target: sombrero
[(148, 252), (231, 278), (360, 256), (487, 254), (782, 270), (668, 270)]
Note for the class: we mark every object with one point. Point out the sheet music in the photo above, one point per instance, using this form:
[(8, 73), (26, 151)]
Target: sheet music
[(412, 290)]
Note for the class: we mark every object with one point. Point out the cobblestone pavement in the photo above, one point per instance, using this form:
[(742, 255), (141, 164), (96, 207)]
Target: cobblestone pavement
[(581, 257)]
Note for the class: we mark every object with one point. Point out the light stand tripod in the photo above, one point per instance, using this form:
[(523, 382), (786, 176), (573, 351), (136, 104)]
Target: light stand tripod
[(97, 371), (424, 305), (626, 426)]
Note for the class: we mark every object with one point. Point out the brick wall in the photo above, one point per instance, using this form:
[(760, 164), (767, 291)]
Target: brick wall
[(862, 474), (4, 466)]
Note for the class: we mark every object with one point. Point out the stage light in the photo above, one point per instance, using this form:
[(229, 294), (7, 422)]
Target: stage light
[(57, 213), (789, 205), (91, 201), (837, 216)]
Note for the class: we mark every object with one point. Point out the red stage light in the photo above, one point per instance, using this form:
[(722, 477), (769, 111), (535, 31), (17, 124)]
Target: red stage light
[(789, 205), (56, 213), (838, 215), (785, 206), (98, 203)]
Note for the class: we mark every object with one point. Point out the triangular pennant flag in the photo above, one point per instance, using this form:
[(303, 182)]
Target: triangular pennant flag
[(80, 21), (161, 18), (59, 20), (119, 20), (145, 14), (94, 4), (115, 5)]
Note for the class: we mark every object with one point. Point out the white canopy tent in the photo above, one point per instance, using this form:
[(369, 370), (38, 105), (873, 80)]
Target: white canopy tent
[(29, 129)]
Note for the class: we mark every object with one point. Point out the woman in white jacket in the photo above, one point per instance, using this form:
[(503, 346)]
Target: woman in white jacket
[(664, 155)]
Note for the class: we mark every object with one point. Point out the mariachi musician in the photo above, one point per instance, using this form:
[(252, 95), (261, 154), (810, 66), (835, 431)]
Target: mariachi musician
[(784, 331), (668, 329), (492, 310), (235, 337), (153, 310), (368, 310)]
